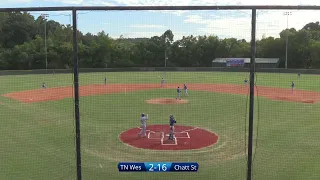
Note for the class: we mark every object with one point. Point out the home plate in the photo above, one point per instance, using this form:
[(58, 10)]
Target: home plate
[(169, 142)]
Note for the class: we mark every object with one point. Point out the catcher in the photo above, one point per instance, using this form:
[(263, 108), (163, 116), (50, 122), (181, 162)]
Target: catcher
[(172, 122)]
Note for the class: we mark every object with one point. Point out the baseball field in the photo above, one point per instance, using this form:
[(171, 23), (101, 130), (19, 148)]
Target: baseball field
[(37, 129)]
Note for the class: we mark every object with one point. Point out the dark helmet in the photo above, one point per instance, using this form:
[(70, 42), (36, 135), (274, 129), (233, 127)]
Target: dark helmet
[(142, 115)]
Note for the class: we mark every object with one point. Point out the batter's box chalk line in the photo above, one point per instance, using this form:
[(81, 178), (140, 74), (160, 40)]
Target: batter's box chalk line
[(152, 135), (163, 135), (188, 130), (187, 136), (146, 130), (152, 132), (175, 142)]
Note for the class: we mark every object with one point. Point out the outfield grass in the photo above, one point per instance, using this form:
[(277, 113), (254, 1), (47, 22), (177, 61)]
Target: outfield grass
[(37, 140)]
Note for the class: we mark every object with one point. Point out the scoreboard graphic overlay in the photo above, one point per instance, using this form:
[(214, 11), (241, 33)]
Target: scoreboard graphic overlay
[(158, 167)]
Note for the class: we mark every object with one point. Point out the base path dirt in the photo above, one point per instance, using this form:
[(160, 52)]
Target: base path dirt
[(49, 94), (186, 138), (166, 101), (58, 93)]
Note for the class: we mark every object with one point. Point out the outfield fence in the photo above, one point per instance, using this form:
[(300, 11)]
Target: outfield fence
[(262, 123), (157, 69)]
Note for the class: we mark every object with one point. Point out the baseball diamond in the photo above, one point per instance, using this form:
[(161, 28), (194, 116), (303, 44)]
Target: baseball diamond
[(121, 90), (211, 126)]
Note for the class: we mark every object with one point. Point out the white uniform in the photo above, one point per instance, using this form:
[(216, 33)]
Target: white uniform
[(162, 82), (143, 120), (185, 90)]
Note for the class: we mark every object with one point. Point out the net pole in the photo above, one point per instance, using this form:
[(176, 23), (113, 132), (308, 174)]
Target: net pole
[(251, 108), (45, 44), (76, 93)]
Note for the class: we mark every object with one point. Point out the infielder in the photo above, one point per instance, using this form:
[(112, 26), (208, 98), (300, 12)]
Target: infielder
[(162, 82), (185, 89), (44, 86), (105, 80), (292, 86), (172, 122), (143, 120), (178, 93)]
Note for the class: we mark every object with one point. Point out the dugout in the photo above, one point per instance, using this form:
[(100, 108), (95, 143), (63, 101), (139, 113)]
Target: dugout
[(245, 62)]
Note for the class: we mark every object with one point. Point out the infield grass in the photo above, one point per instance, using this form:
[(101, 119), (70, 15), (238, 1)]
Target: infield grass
[(37, 140)]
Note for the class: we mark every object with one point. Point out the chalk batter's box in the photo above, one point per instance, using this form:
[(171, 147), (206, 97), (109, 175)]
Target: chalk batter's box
[(164, 138), (160, 135)]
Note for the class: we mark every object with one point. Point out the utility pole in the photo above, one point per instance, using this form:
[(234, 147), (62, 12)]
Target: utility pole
[(287, 37), (45, 38), (165, 55)]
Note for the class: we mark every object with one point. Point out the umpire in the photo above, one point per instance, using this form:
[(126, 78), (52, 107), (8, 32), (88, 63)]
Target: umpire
[(172, 121)]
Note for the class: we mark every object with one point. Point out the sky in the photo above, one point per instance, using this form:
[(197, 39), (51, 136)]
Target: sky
[(133, 24)]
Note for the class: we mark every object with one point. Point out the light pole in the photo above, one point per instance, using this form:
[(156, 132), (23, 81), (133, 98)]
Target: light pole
[(45, 38), (287, 37), (165, 55)]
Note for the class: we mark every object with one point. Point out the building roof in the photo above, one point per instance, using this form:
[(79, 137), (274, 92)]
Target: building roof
[(247, 60)]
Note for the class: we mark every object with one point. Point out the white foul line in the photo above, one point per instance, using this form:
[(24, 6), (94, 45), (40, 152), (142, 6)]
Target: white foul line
[(190, 129)]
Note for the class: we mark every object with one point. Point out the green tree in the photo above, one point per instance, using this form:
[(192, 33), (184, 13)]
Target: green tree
[(17, 28), (22, 47)]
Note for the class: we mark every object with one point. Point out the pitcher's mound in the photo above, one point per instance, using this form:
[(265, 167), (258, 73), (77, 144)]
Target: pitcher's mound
[(166, 101)]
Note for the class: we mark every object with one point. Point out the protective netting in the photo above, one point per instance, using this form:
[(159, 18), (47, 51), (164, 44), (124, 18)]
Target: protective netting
[(286, 117), (211, 118), (37, 122), (37, 134)]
